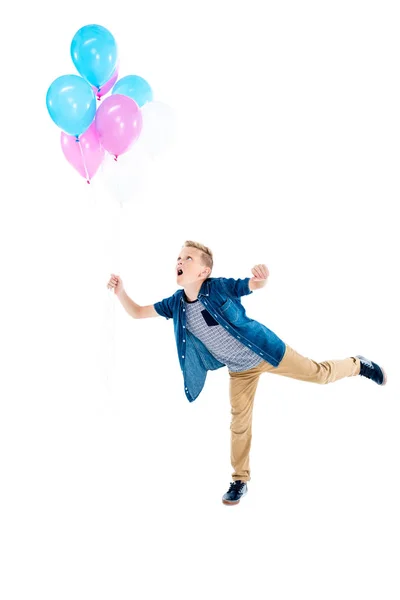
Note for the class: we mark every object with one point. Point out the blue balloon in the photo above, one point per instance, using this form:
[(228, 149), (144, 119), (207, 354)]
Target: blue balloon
[(135, 87), (71, 104), (94, 54)]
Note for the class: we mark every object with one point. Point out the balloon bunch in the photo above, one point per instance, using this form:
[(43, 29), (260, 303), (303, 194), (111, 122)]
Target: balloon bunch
[(90, 130)]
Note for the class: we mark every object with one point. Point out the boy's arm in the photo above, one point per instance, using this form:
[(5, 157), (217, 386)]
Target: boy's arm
[(256, 285), (261, 274), (148, 311), (134, 310), (243, 287)]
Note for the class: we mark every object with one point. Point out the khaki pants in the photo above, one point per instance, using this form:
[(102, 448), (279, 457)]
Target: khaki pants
[(243, 387)]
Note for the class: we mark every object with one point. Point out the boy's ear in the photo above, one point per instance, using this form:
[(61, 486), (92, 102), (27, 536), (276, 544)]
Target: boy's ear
[(206, 271)]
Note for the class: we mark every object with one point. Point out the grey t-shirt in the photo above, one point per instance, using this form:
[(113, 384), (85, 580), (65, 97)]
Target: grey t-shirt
[(227, 349)]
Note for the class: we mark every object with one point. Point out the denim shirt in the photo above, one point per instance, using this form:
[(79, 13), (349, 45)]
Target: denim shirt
[(221, 298)]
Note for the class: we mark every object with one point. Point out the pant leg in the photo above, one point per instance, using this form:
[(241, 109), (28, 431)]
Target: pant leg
[(296, 366), (242, 389), (243, 386)]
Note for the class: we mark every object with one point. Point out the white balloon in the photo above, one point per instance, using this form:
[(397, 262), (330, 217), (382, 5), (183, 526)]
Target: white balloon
[(159, 128), (125, 179)]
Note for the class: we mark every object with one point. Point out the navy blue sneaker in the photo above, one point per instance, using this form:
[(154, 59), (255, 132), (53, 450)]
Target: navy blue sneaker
[(237, 490), (372, 371)]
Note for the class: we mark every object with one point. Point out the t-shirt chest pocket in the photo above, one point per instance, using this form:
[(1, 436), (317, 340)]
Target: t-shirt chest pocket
[(209, 319)]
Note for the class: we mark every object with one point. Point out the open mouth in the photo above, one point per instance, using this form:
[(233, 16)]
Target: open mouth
[(179, 272)]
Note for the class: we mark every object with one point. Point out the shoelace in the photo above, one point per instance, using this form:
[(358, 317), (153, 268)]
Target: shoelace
[(366, 370), (237, 486)]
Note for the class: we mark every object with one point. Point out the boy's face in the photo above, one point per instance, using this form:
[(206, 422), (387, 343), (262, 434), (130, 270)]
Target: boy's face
[(189, 266)]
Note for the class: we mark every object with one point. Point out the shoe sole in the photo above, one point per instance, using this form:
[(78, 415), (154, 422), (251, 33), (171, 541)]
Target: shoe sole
[(228, 502)]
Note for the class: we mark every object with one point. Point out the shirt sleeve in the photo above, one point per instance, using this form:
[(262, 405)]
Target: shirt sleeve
[(165, 307), (237, 287)]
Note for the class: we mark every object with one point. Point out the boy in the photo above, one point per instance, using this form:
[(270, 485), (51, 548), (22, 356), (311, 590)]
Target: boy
[(212, 330)]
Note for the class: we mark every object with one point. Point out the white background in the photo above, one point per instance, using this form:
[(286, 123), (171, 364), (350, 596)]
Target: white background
[(287, 153)]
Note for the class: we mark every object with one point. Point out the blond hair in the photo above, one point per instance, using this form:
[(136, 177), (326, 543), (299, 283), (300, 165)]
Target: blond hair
[(206, 254)]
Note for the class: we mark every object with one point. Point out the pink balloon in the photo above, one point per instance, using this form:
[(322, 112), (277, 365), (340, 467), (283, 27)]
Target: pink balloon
[(119, 123), (85, 155), (107, 86)]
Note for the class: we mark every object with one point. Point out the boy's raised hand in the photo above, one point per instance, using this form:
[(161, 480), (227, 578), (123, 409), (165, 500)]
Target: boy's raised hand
[(116, 284), (260, 272)]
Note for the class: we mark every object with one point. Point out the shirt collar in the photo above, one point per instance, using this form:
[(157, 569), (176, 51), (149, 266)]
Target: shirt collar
[(204, 290)]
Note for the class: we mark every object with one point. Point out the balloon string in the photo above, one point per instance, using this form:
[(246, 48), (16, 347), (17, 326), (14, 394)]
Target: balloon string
[(116, 246), (111, 363), (83, 161)]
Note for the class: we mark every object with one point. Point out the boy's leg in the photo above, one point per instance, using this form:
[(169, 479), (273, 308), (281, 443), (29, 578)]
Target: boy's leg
[(296, 366), (242, 389)]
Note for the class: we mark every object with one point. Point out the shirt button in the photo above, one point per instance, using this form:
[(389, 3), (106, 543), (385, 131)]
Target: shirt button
[(183, 327), (184, 340), (183, 356), (226, 326), (238, 336), (183, 310)]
